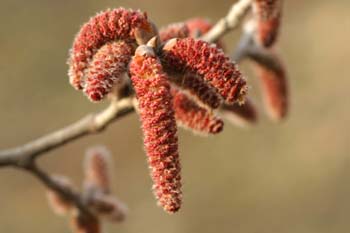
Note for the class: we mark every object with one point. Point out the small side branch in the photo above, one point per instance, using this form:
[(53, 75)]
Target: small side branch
[(229, 22), (50, 183)]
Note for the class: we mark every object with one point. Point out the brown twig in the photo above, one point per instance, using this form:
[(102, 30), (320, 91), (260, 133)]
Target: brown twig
[(92, 123), (247, 48), (49, 182)]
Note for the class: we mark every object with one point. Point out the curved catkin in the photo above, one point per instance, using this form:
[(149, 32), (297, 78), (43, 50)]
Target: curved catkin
[(191, 116), (274, 86), (240, 115), (97, 169), (158, 125), (199, 90), (107, 68), (110, 25), (268, 17), (59, 204), (209, 62), (195, 87)]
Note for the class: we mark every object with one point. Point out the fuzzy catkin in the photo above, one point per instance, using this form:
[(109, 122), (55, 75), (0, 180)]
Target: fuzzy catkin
[(191, 116), (159, 127), (110, 25), (198, 90), (107, 68), (200, 26), (240, 115), (268, 17), (174, 30), (274, 84), (209, 62)]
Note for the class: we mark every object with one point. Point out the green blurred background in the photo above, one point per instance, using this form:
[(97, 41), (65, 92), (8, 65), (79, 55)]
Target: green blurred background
[(288, 178)]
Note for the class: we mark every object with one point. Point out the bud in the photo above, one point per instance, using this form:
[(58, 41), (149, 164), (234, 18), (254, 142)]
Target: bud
[(108, 207), (158, 125), (97, 169), (59, 204), (107, 26), (208, 62), (81, 223), (191, 116)]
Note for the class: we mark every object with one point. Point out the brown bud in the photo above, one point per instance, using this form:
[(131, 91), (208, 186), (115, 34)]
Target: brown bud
[(81, 223), (97, 169), (108, 206)]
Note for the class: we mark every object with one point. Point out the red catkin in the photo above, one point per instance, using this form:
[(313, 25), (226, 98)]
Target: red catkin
[(198, 25), (240, 115), (198, 90), (209, 62), (110, 25), (202, 26), (191, 116), (175, 30), (195, 87), (107, 68), (274, 85), (193, 27), (158, 125), (268, 17)]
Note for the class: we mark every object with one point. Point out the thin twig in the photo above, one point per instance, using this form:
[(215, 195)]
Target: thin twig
[(50, 183), (92, 123), (229, 22), (247, 48)]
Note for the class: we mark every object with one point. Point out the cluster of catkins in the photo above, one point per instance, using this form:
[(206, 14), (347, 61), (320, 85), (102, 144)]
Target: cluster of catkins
[(96, 194), (176, 79), (258, 45)]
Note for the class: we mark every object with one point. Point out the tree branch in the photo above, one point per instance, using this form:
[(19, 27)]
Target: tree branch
[(247, 48), (23, 155), (50, 183), (229, 22)]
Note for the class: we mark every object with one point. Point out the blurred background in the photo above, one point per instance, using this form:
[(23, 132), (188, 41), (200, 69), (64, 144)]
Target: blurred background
[(287, 178)]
